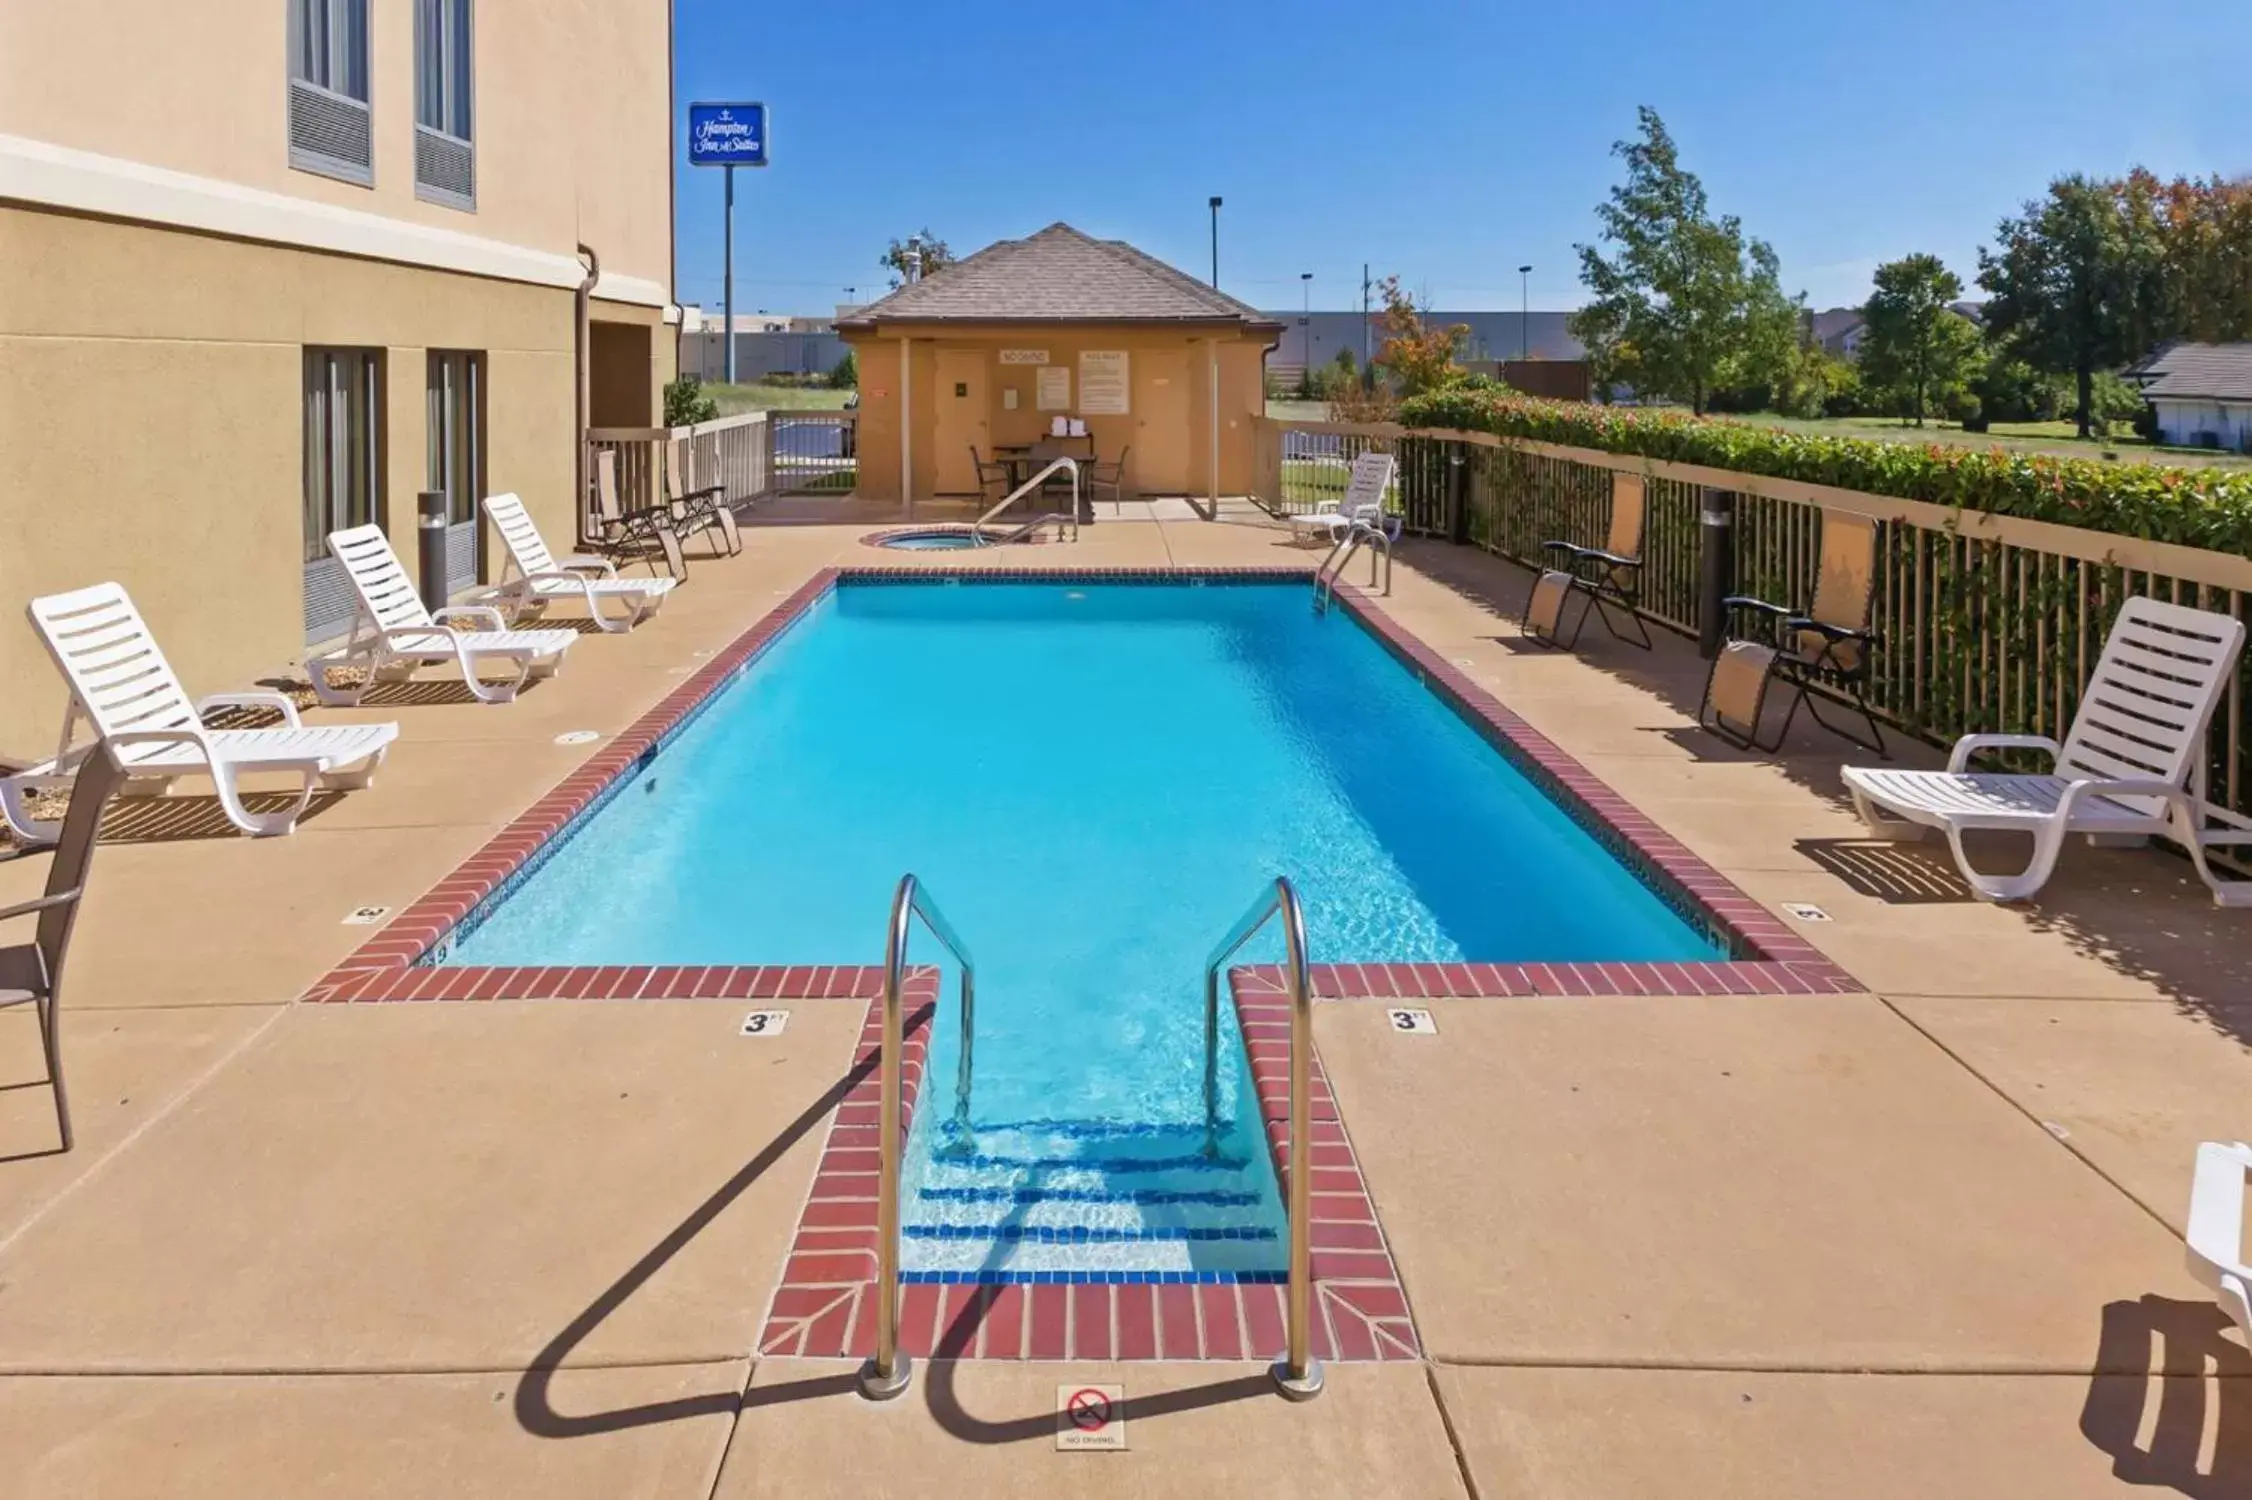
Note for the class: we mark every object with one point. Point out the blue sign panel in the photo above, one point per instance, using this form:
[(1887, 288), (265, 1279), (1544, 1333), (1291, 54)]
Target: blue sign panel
[(727, 135)]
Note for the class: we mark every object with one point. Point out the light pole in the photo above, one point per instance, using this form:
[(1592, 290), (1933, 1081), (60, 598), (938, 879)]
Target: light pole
[(1306, 327), (1524, 313), (1215, 201)]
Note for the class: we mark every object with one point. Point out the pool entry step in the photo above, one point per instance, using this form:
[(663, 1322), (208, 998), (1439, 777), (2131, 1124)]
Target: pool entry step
[(1031, 1198), (1092, 1199)]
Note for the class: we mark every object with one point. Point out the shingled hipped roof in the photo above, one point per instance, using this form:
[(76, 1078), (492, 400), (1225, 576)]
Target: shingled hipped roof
[(2198, 372), (1058, 276)]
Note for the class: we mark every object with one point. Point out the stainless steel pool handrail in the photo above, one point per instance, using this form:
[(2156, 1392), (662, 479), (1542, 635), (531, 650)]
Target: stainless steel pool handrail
[(888, 1372), (977, 527), (1333, 566), (1298, 1375)]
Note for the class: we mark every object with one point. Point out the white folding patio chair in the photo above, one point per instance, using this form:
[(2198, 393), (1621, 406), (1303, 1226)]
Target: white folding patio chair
[(123, 687), (394, 632), (2133, 765), (1363, 500), (543, 579)]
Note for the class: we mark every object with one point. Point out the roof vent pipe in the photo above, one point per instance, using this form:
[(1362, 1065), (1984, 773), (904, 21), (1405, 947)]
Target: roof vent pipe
[(914, 259)]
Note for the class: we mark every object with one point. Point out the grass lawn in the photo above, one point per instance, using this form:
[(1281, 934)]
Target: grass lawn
[(734, 399), (2017, 437)]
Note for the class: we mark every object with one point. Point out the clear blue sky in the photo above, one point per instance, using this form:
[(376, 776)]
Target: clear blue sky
[(1447, 142)]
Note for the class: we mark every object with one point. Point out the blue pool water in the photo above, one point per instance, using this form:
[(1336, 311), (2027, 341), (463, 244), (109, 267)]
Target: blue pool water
[(1092, 780)]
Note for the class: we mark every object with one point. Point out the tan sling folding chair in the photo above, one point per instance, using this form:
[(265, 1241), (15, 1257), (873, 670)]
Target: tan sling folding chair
[(1829, 645), (1606, 579)]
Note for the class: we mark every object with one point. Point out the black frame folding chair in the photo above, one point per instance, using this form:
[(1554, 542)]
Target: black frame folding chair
[(1829, 644), (1606, 579)]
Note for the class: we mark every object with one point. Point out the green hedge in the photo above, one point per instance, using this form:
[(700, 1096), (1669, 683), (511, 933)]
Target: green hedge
[(2201, 507)]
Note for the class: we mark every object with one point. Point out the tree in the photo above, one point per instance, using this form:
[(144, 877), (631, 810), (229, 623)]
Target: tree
[(2077, 284), (1686, 303), (2205, 232), (1418, 354), (687, 402), (845, 376), (1916, 350), (936, 257)]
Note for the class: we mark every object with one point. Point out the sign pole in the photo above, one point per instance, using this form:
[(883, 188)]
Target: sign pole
[(727, 324), (727, 136)]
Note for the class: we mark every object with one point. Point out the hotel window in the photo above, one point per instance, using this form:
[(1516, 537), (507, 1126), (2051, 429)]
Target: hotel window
[(454, 396), (445, 158), (343, 395), (330, 131)]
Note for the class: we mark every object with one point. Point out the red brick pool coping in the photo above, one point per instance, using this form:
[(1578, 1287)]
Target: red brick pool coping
[(1772, 958), (824, 1307)]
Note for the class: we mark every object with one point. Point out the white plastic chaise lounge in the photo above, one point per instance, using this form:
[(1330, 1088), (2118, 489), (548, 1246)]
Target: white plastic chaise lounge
[(1363, 500), (122, 685), (2132, 767), (543, 578), (2216, 1227), (394, 632)]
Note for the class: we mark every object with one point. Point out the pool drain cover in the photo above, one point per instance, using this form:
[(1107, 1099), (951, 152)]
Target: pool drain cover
[(578, 737)]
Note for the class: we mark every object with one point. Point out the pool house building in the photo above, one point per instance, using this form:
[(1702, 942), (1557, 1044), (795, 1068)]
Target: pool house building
[(1158, 369)]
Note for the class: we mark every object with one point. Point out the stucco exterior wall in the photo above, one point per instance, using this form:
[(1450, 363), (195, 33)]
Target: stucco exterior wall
[(153, 427), (1161, 457), (571, 109)]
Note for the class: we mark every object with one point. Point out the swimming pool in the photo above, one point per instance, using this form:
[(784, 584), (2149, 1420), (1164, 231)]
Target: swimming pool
[(1091, 778)]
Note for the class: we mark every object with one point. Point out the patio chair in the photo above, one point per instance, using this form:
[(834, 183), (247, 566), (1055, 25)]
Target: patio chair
[(1096, 477), (992, 477), (1828, 645), (1364, 497), (646, 536), (32, 973), (394, 632), (543, 579), (699, 509), (122, 685), (1605, 579), (2134, 764), (2216, 1227)]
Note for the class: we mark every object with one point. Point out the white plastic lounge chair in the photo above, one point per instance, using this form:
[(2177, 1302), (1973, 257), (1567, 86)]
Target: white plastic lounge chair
[(2133, 765), (394, 632), (1363, 500), (2216, 1227), (543, 579), (123, 686)]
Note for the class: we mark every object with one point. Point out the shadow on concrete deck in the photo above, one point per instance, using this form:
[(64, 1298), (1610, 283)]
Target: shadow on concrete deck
[(2176, 1355), (2140, 912)]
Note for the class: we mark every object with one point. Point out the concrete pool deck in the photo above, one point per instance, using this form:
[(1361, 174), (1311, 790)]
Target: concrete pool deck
[(1916, 1239)]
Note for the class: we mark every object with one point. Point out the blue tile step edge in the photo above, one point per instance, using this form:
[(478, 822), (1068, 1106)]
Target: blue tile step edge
[(1096, 1278), (1197, 1163), (1138, 1197), (1080, 1234)]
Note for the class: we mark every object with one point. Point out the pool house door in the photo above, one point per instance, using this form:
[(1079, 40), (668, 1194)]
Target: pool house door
[(963, 419)]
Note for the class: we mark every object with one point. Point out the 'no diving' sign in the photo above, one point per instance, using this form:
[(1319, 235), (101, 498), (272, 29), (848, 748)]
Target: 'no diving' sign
[(1090, 1418)]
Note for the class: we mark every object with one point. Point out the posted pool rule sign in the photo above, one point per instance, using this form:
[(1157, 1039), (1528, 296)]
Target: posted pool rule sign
[(1090, 1419), (728, 136)]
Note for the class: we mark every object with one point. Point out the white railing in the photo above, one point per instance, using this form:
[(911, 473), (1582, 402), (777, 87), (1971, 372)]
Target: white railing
[(735, 452)]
